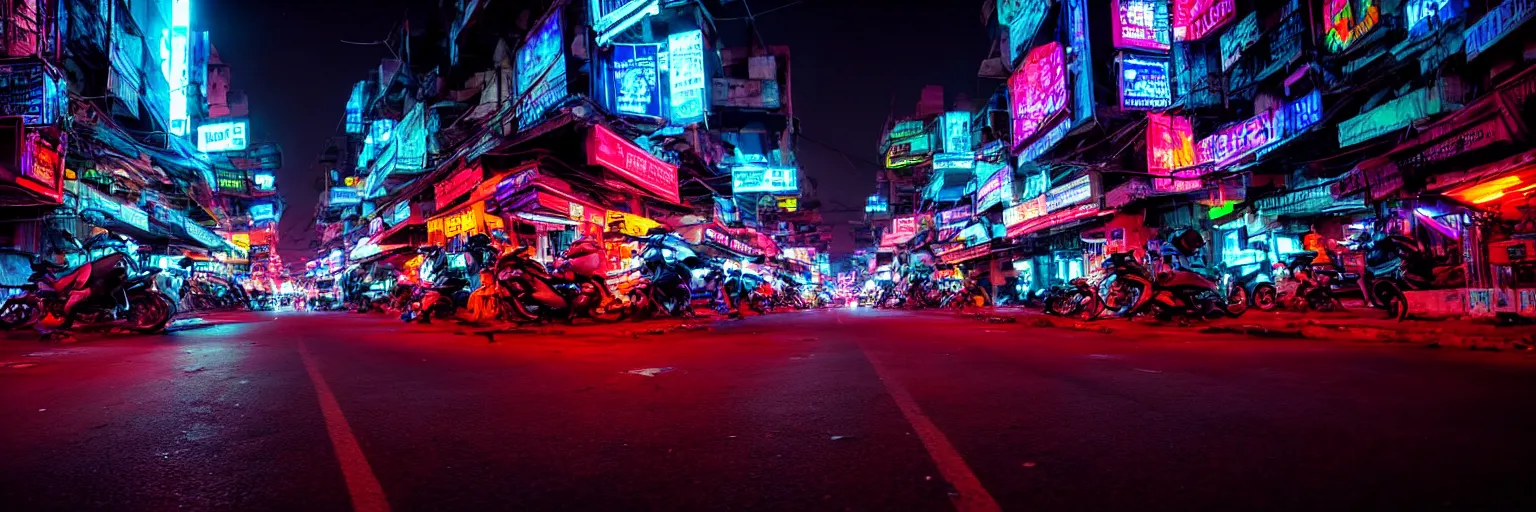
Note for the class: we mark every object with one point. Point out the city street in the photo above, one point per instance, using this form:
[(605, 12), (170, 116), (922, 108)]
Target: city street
[(818, 410)]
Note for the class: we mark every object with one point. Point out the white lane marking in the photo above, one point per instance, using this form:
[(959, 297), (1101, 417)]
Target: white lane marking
[(972, 496), (367, 495)]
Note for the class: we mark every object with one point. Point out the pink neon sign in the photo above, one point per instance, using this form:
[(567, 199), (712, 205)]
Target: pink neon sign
[(637, 165), (1037, 90)]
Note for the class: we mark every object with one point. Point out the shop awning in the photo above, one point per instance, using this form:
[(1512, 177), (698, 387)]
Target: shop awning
[(1311, 199), (1507, 181)]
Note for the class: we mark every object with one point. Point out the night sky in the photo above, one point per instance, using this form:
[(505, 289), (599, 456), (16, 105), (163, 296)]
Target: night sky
[(852, 60)]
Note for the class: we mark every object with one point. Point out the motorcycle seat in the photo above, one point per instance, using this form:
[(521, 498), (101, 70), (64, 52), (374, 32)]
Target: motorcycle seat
[(74, 280)]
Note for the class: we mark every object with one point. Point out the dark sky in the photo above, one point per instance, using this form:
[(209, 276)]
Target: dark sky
[(851, 60)]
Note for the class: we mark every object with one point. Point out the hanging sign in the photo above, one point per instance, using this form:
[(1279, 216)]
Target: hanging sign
[(1170, 145), (1028, 209), (1082, 56), (1141, 24), (541, 75), (1389, 116), (953, 216), (632, 80), (956, 132), (227, 136), (760, 178), (1194, 19), (1055, 218), (946, 161), (1238, 38), (1037, 90), (1347, 21), (1075, 191), (1038, 148), (686, 77), (998, 189), (1499, 22), (1236, 140), (1144, 82), (458, 184), (610, 151)]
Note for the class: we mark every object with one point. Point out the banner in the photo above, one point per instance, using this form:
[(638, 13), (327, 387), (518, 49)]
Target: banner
[(1141, 24), (632, 80), (1144, 82), (1037, 91)]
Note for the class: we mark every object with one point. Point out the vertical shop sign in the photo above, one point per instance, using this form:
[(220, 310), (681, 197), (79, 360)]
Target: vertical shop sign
[(1037, 91), (1021, 19), (957, 132), (1144, 82), (1082, 59), (541, 76), (1170, 145), (1347, 21), (1499, 21), (1141, 24), (633, 82), (174, 62), (685, 73), (1238, 38), (355, 104), (1194, 19), (609, 150)]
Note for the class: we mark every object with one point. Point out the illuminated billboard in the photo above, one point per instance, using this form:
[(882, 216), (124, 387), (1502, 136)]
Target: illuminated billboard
[(685, 76), (632, 80), (1347, 21), (997, 190), (1144, 81), (1170, 146), (355, 104), (1037, 91), (1194, 19), (1141, 24), (760, 178), (226, 136), (174, 63), (610, 17), (541, 77), (956, 132)]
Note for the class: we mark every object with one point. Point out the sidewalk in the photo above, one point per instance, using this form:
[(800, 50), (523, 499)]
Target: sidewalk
[(1357, 324)]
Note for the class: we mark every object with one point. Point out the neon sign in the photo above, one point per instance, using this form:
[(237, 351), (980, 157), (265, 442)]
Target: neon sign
[(1345, 25), (355, 107), (1075, 191), (1144, 82), (174, 64), (996, 190), (1194, 19), (1037, 90), (1499, 22), (1170, 145), (759, 178), (957, 132), (228, 136), (1236, 140), (1082, 54), (541, 78), (685, 73), (1141, 24), (609, 150), (1237, 39), (632, 80)]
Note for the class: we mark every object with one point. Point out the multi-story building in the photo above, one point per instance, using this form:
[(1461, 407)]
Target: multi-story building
[(110, 129)]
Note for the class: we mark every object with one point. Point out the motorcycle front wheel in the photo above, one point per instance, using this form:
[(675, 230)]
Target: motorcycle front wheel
[(21, 312), (1265, 297), (1237, 302)]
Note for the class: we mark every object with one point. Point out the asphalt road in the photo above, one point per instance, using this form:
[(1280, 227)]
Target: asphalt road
[(827, 410)]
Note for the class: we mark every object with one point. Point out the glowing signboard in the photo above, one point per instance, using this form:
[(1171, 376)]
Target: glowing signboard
[(1144, 82), (1194, 19), (1026, 210), (541, 77), (945, 161), (227, 136), (1045, 142), (633, 84), (174, 63), (1082, 55), (1141, 24), (906, 129), (263, 212), (355, 107), (458, 184), (685, 74), (998, 189), (1499, 21), (638, 166), (956, 131), (1023, 23), (1424, 14), (760, 178), (1074, 192), (1037, 90), (1170, 145), (344, 196), (953, 216), (1242, 35), (1347, 21), (1236, 140), (1296, 116)]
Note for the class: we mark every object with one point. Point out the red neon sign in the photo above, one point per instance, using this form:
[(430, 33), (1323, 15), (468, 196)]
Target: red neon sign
[(637, 165)]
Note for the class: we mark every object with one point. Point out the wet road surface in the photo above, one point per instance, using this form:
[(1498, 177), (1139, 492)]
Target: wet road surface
[(823, 410)]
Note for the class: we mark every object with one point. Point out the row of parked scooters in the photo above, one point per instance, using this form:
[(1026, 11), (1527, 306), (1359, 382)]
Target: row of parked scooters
[(112, 290), (1392, 264), (673, 281)]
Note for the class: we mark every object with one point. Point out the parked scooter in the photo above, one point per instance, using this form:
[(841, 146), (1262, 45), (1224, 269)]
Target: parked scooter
[(108, 291), (1314, 285), (1077, 297), (1177, 292), (442, 291), (1250, 284), (670, 265), (1395, 264), (572, 287)]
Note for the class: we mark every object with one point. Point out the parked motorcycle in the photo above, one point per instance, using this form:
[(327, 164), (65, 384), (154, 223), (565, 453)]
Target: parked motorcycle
[(670, 265), (1076, 298), (1395, 264), (1250, 284), (1177, 292), (572, 287), (108, 291), (1313, 285), (442, 291)]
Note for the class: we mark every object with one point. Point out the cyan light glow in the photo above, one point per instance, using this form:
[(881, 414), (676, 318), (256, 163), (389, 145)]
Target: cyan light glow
[(175, 64), (685, 63), (216, 137)]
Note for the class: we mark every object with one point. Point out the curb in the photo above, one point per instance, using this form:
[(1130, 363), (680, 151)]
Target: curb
[(1297, 330)]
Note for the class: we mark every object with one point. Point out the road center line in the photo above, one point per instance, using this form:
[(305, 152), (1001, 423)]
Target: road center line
[(972, 496), (367, 495)]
